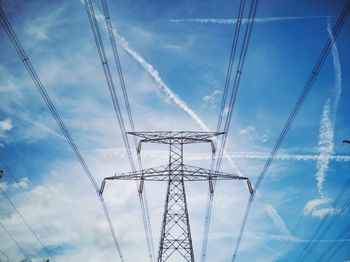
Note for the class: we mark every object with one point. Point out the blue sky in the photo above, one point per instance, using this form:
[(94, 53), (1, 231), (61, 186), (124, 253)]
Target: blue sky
[(164, 52)]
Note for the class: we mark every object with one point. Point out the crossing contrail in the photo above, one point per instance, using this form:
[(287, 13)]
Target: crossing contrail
[(284, 157), (234, 21), (326, 140), (316, 207)]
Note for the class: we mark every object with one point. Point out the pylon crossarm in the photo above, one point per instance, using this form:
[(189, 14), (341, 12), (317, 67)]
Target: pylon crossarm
[(138, 175), (187, 173), (183, 137), (180, 140)]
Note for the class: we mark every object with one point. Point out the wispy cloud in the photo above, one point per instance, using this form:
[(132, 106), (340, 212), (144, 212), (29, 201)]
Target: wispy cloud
[(39, 27), (277, 219), (326, 136), (32, 122), (5, 125), (234, 21), (212, 96), (316, 207)]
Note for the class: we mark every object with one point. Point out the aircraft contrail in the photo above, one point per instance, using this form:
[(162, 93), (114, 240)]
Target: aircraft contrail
[(326, 143), (152, 72), (326, 137), (234, 21), (285, 157), (277, 220)]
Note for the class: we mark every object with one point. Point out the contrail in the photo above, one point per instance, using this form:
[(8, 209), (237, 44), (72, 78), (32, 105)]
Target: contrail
[(326, 144), (154, 74), (326, 137), (285, 157), (275, 237), (37, 124), (244, 21), (277, 220)]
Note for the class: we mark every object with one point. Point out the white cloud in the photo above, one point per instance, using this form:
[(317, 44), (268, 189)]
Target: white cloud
[(4, 186), (23, 183), (248, 131), (212, 97), (40, 27), (315, 209), (6, 125)]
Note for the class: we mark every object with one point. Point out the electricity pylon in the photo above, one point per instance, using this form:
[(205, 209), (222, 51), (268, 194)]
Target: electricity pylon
[(175, 239)]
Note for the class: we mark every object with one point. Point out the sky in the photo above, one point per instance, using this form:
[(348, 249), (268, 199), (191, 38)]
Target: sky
[(174, 57)]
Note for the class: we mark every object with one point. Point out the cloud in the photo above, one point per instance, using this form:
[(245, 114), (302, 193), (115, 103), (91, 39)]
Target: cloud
[(4, 186), (212, 97), (6, 125), (248, 131), (234, 21), (39, 27), (315, 209), (277, 219), (23, 183)]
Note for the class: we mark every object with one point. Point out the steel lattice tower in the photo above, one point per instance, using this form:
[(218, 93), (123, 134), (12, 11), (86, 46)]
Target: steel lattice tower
[(175, 240)]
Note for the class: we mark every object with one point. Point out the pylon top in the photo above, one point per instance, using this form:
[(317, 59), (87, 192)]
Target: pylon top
[(179, 137)]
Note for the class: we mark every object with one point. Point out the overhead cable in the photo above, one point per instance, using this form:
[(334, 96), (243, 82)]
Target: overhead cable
[(58, 119), (142, 193), (110, 83), (15, 179), (14, 240), (27, 225), (312, 77), (210, 197), (317, 237), (329, 253), (4, 254)]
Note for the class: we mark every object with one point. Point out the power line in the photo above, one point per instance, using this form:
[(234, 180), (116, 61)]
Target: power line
[(330, 252), (14, 240), (239, 70), (312, 77), (26, 197), (59, 121), (4, 254), (240, 65), (231, 60), (307, 252), (108, 76), (28, 226), (309, 247), (210, 197), (142, 193)]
